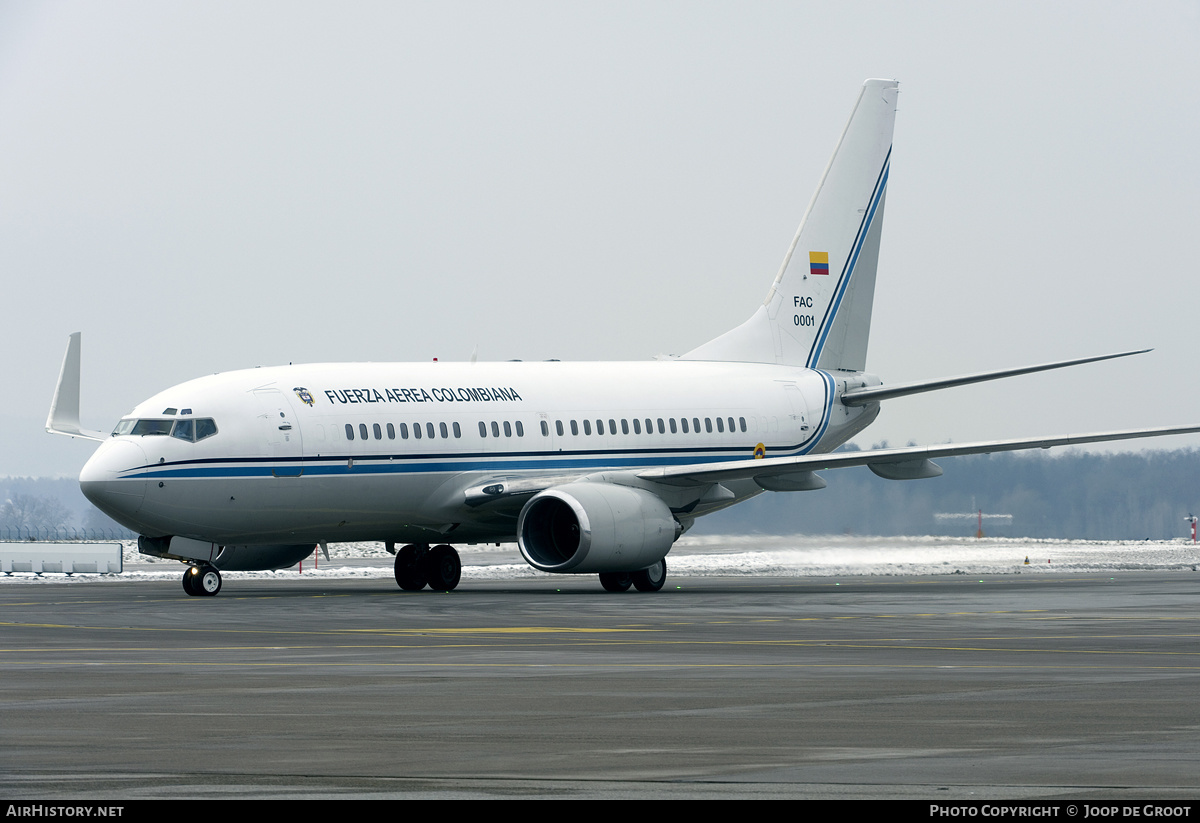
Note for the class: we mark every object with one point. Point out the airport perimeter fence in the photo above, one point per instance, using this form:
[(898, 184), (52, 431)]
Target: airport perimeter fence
[(63, 534)]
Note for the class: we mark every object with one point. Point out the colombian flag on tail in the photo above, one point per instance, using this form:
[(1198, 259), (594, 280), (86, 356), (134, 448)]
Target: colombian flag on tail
[(818, 262)]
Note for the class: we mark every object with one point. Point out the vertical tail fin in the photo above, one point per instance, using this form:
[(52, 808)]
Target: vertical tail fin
[(818, 311)]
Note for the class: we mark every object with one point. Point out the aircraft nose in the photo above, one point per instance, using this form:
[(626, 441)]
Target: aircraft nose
[(103, 483)]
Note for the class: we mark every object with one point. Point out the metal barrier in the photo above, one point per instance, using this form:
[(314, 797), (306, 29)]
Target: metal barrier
[(40, 557)]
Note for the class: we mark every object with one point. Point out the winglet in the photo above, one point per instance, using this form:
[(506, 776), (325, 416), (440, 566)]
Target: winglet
[(64, 408)]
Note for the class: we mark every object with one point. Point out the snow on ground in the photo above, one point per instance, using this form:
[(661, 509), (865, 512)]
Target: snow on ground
[(748, 555)]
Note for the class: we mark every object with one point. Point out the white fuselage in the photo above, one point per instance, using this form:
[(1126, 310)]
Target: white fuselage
[(400, 451)]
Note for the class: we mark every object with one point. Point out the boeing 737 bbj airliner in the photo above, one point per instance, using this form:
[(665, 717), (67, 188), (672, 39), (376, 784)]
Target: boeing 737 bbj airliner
[(594, 468)]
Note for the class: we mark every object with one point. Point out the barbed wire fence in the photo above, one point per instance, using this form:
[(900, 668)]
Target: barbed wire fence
[(63, 534)]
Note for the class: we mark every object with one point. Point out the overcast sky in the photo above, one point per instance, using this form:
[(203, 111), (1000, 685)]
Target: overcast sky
[(199, 187)]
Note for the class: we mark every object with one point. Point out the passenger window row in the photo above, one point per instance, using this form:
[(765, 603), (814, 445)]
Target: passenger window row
[(651, 425), (429, 431), (509, 428), (494, 428)]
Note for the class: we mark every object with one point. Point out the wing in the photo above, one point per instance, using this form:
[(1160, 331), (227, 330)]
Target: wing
[(905, 463)]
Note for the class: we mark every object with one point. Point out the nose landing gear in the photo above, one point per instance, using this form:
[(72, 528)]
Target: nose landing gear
[(202, 581)]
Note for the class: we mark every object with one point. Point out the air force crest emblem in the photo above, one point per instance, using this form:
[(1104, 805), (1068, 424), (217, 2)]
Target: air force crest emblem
[(303, 394)]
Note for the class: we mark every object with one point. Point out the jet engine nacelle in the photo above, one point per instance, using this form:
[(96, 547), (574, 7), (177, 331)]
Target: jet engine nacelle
[(583, 528)]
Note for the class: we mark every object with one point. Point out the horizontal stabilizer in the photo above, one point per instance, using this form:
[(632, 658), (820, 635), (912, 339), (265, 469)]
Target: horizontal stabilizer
[(873, 394)]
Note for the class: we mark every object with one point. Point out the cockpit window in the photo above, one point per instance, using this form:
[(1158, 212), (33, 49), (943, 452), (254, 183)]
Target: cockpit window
[(189, 430), (148, 427), (193, 430)]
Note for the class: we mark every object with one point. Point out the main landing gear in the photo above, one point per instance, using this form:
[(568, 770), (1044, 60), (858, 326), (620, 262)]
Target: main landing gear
[(202, 581), (645, 580), (418, 566)]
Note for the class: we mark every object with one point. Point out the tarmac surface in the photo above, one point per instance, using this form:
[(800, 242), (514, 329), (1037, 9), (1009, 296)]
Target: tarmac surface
[(950, 687)]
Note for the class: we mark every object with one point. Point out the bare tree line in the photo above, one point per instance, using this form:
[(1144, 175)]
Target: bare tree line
[(1074, 495)]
